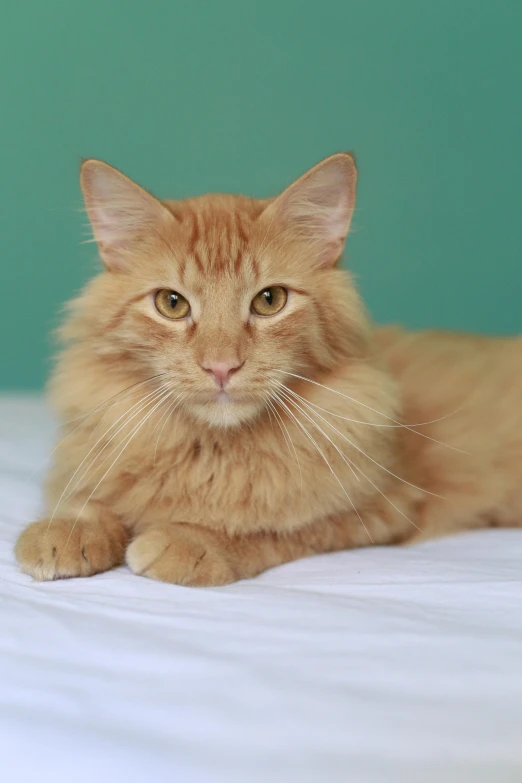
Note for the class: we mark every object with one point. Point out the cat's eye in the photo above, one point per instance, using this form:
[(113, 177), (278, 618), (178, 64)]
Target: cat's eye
[(171, 304), (270, 300)]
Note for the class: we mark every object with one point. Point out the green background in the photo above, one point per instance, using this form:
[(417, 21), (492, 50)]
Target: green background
[(244, 96)]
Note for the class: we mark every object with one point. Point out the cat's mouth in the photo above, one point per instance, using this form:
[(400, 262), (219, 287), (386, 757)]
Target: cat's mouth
[(225, 407), (223, 398)]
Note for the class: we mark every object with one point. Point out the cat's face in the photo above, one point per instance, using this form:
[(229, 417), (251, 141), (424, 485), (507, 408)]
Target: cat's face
[(222, 297)]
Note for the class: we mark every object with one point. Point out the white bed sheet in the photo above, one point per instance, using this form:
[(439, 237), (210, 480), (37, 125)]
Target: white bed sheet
[(375, 665)]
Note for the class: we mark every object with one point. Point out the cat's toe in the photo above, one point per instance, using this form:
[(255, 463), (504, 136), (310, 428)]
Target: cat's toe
[(60, 549), (181, 554)]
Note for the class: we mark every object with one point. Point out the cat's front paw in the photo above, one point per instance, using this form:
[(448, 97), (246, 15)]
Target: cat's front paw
[(182, 554), (63, 549)]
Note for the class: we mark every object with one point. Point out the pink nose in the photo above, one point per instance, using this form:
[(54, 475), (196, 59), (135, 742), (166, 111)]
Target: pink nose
[(221, 371)]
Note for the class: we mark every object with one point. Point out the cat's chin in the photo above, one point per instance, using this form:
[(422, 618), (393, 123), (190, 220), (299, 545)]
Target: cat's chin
[(224, 412)]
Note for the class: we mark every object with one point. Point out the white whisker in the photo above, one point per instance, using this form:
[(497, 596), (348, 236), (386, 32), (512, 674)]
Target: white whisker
[(270, 415), (161, 419), (143, 405), (283, 428), (406, 517), (129, 440), (175, 404), (399, 425), (99, 407), (104, 404), (125, 414), (342, 435), (117, 402), (380, 413), (301, 425), (299, 408), (356, 467)]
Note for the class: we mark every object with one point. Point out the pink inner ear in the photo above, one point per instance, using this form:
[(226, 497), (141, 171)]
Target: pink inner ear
[(103, 228), (338, 217), (320, 205), (114, 227), (120, 211)]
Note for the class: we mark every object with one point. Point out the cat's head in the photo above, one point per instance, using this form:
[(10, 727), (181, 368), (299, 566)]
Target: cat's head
[(224, 298)]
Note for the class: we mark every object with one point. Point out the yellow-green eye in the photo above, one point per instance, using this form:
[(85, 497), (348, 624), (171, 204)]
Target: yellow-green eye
[(171, 304), (270, 300)]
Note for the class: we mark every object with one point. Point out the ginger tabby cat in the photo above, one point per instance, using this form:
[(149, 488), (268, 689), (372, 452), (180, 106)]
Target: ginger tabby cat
[(228, 407)]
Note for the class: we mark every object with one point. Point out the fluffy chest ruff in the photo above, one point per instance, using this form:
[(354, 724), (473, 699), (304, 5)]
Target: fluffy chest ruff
[(292, 465)]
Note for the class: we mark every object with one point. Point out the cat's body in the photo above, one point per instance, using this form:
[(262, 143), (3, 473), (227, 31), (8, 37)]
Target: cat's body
[(302, 448)]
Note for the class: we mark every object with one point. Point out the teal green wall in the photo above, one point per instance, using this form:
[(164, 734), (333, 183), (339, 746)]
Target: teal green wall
[(244, 96)]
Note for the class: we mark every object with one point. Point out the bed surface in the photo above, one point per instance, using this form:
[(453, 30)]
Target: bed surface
[(374, 665)]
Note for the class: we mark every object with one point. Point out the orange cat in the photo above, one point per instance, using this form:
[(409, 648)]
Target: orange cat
[(228, 407)]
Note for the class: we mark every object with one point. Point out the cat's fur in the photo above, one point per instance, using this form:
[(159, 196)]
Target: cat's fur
[(196, 490)]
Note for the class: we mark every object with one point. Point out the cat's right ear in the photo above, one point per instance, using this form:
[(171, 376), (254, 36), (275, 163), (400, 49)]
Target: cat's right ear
[(122, 214), (318, 207)]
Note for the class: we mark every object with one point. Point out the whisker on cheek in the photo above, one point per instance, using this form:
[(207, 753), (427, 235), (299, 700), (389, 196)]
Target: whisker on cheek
[(172, 408), (357, 468), (380, 413), (130, 438), (300, 408), (127, 421), (125, 416), (82, 419), (375, 462), (287, 438), (314, 443)]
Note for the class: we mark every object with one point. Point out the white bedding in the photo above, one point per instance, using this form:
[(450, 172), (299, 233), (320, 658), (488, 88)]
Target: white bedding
[(375, 665)]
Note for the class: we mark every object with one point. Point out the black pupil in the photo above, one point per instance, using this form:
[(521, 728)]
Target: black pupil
[(174, 298), (267, 293)]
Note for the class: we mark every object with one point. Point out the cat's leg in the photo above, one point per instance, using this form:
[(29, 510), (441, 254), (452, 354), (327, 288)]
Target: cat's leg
[(67, 546), (193, 555)]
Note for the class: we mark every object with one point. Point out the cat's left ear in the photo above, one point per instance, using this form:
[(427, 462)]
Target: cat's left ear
[(125, 218), (318, 207)]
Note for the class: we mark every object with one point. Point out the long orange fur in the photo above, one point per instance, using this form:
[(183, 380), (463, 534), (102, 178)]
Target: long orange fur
[(331, 434)]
